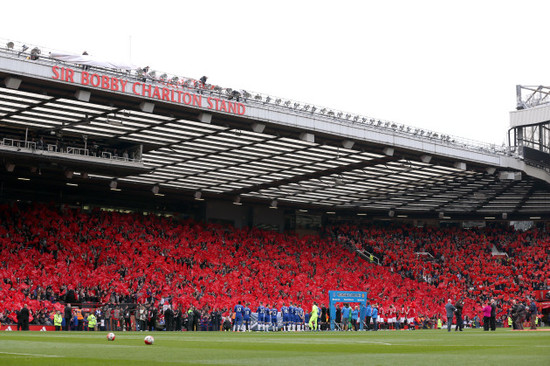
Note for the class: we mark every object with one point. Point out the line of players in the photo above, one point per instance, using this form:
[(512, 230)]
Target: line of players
[(293, 318)]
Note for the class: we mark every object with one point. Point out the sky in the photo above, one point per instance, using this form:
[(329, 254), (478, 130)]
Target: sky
[(448, 66)]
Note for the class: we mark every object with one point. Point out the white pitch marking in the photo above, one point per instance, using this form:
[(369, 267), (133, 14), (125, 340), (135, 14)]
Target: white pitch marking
[(28, 354)]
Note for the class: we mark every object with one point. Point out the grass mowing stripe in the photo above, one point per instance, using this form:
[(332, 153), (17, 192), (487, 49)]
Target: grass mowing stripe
[(472, 347)]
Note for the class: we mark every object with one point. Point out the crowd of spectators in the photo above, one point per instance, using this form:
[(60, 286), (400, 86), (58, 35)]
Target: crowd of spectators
[(475, 264), (51, 256)]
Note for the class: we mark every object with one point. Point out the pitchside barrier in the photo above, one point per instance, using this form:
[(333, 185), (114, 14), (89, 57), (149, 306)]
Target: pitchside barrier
[(36, 328), (357, 297)]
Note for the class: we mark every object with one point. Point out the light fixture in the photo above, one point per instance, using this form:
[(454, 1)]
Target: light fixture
[(391, 213), (402, 216), (237, 201), (534, 218), (72, 184), (504, 215), (23, 49), (361, 214), (198, 196), (302, 210), (24, 179), (155, 189), (331, 212), (489, 217), (10, 45), (273, 204), (113, 184)]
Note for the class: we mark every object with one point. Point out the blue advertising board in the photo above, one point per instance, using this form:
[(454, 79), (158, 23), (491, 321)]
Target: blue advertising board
[(347, 297)]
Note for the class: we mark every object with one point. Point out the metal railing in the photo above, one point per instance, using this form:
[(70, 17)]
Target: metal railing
[(365, 254), (31, 145), (67, 150), (270, 102)]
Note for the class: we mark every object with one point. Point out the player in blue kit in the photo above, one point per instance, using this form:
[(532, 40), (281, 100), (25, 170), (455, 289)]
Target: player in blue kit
[(239, 312), (261, 316), (246, 317), (291, 311), (300, 318), (267, 318), (274, 324), (284, 314)]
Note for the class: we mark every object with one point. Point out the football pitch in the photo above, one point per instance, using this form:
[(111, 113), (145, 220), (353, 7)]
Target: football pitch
[(424, 347)]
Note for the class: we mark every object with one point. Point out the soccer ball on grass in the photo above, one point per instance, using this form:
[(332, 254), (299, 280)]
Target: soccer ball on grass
[(111, 336), (149, 340)]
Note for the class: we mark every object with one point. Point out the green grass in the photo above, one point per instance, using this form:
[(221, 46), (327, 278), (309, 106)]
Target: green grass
[(427, 347)]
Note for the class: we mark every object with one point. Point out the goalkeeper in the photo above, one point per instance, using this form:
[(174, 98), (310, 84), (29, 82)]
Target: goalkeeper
[(313, 317)]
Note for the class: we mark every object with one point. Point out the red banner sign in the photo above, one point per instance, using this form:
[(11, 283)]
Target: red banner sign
[(168, 93)]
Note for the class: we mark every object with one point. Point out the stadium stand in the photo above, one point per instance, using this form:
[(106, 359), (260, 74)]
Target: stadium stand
[(52, 255)]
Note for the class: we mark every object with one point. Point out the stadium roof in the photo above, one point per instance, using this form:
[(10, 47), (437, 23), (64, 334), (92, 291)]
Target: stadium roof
[(267, 152)]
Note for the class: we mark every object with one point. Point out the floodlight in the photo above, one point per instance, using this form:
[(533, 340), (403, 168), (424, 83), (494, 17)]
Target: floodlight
[(313, 109), (273, 204), (113, 184), (237, 201), (10, 45), (268, 99), (198, 196)]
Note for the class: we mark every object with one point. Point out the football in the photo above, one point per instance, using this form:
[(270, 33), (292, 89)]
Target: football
[(111, 336), (149, 340)]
